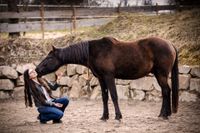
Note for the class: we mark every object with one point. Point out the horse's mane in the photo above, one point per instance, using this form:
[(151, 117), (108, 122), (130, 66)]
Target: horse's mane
[(77, 52)]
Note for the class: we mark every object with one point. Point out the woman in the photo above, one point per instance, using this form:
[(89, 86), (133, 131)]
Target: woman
[(49, 107)]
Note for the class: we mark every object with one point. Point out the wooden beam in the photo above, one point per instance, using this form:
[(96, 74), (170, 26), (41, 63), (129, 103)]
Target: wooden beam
[(51, 25), (97, 11), (35, 14), (58, 14), (67, 7), (32, 26)]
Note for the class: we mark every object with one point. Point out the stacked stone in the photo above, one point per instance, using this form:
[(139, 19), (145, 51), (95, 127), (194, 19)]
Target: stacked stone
[(74, 81), (7, 76), (77, 83), (11, 80), (145, 88), (189, 83)]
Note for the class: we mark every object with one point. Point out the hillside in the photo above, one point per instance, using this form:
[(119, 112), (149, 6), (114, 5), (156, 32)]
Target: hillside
[(181, 28)]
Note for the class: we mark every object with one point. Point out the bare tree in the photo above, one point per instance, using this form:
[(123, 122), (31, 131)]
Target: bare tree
[(147, 2), (124, 2)]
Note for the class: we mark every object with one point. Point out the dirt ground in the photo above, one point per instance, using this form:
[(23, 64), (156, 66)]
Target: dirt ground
[(82, 116)]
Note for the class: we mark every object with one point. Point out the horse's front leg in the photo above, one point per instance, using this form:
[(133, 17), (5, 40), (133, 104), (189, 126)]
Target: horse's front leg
[(110, 83), (104, 90)]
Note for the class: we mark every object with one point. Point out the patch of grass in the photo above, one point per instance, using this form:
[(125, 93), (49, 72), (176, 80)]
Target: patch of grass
[(189, 54), (3, 35)]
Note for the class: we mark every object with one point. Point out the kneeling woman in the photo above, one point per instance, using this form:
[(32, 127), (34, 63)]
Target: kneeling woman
[(49, 108)]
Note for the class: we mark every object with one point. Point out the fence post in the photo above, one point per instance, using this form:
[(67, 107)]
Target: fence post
[(42, 17), (118, 8), (156, 8), (73, 19), (25, 8), (12, 7), (178, 7)]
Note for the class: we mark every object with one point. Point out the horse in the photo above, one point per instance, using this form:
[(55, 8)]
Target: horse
[(109, 58)]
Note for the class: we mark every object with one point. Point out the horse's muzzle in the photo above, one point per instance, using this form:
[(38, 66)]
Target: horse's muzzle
[(38, 72)]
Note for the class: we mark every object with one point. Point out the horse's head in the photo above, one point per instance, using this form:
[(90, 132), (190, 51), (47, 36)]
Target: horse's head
[(50, 63)]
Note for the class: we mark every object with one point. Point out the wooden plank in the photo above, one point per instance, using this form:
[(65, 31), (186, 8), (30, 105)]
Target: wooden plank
[(51, 25), (33, 26), (89, 11), (93, 17), (54, 6), (6, 16), (145, 8), (96, 11), (35, 14), (57, 14)]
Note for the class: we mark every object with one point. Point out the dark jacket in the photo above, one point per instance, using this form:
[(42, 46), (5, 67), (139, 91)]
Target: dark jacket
[(48, 86)]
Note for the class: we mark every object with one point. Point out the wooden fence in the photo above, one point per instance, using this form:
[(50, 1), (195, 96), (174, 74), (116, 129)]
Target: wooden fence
[(71, 17)]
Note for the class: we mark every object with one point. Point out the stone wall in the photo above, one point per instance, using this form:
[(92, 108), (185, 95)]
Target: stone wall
[(77, 83)]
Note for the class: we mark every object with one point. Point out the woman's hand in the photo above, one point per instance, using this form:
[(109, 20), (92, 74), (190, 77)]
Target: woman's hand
[(58, 105), (59, 75)]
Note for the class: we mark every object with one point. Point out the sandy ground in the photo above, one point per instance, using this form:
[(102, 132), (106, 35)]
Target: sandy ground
[(82, 116)]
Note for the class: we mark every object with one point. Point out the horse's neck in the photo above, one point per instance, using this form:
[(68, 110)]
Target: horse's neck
[(76, 54)]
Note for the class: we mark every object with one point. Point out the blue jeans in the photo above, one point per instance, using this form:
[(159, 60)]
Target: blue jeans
[(48, 113)]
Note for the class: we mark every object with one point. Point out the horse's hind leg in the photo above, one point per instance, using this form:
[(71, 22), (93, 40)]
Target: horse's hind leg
[(166, 91), (110, 84), (104, 90)]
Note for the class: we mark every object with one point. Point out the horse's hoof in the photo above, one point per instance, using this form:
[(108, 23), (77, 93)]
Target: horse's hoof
[(118, 117), (163, 117), (104, 118)]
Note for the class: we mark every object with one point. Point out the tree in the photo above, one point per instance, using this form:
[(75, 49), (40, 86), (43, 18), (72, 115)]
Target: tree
[(147, 2)]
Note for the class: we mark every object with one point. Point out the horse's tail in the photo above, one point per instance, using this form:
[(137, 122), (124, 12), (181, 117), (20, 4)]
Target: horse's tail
[(175, 85)]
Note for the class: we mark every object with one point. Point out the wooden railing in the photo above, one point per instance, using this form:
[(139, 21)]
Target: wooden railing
[(69, 17)]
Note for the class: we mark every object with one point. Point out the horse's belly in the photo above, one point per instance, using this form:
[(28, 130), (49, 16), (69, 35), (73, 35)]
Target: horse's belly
[(135, 76), (130, 74)]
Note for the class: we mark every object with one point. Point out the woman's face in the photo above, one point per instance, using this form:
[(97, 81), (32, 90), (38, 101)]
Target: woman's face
[(32, 73)]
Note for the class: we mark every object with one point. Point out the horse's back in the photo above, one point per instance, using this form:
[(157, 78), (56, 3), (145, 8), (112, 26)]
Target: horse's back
[(149, 49)]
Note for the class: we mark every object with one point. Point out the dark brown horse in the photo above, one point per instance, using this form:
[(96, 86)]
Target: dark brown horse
[(109, 58)]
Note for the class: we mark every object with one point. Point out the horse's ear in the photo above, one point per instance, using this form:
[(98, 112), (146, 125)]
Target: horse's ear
[(53, 48)]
